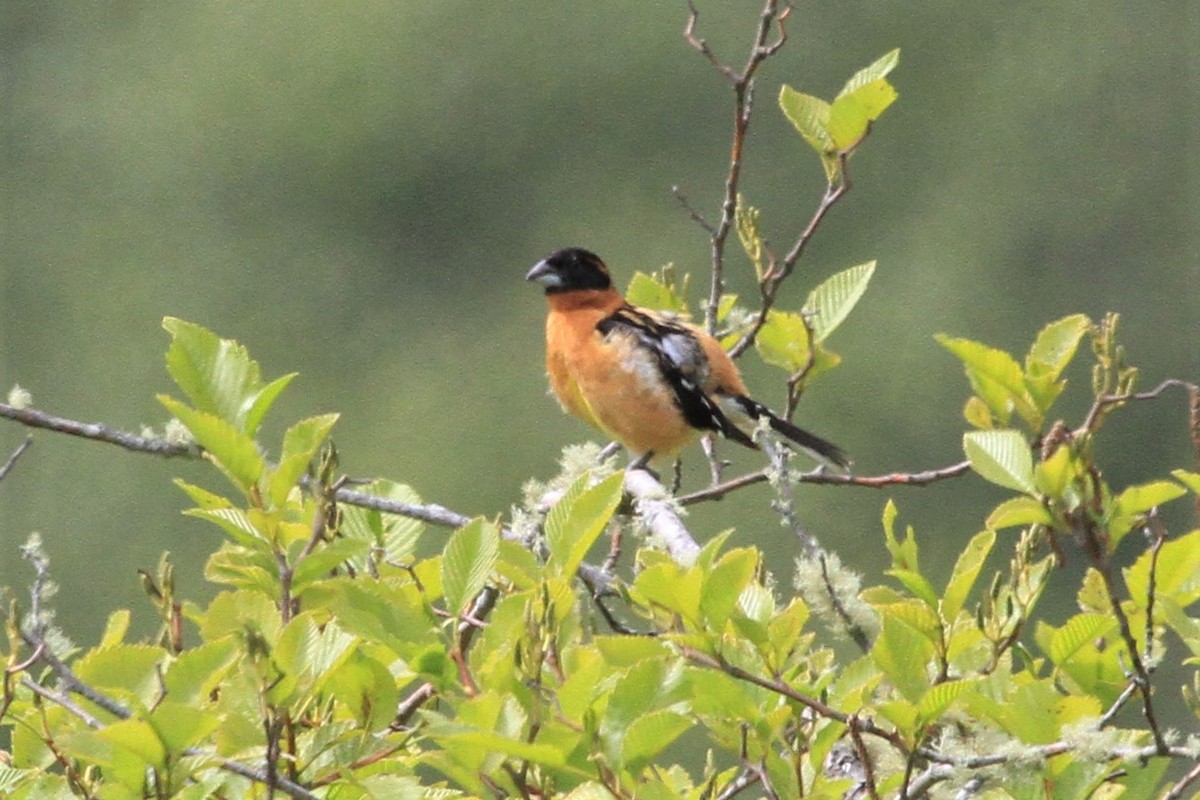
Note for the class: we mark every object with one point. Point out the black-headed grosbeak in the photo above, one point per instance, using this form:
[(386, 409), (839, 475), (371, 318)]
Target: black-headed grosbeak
[(647, 379)]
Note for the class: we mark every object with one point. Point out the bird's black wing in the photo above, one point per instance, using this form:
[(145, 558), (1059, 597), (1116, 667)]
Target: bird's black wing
[(681, 363)]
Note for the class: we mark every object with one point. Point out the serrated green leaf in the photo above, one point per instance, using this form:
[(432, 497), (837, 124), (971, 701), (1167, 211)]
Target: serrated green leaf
[(966, 571), (647, 686), (831, 302), (1055, 476), (259, 402), (218, 375), (625, 651), (115, 629), (941, 696), (994, 375), (784, 341), (395, 535), (233, 451), (234, 521), (649, 735), (1189, 479), (468, 562), (1134, 501), (880, 68), (852, 113), (1002, 457), (651, 292), (300, 444), (722, 586), (1055, 346), (125, 669), (572, 535), (1176, 571), (323, 560), (367, 689), (809, 116), (1019, 512), (1081, 630), (180, 726), (977, 413), (196, 672), (903, 653), (244, 567)]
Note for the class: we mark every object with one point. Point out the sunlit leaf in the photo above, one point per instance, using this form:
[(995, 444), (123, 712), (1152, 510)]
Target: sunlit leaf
[(300, 444), (833, 300), (966, 571), (1019, 512), (468, 562), (235, 452), (1002, 457), (572, 535)]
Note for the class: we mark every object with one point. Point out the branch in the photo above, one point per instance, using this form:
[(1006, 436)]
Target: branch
[(12, 460), (742, 83), (99, 432), (1104, 401), (820, 476), (659, 510)]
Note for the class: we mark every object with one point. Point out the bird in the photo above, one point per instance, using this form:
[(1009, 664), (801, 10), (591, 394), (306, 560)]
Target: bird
[(649, 379)]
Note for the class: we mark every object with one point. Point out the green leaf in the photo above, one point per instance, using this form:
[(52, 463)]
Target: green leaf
[(651, 292), (1080, 631), (234, 522), (1019, 512), (1135, 501), (196, 673), (1189, 479), (468, 562), (724, 584), (832, 301), (994, 375), (127, 670), (852, 113), (903, 652), (650, 734), (1055, 476), (809, 115), (180, 726), (133, 737), (233, 451), (218, 375), (1002, 457), (746, 219), (784, 341), (115, 629), (1176, 571), (395, 535), (571, 534), (366, 688), (300, 444), (940, 697), (878, 69), (1055, 346), (966, 571), (648, 686)]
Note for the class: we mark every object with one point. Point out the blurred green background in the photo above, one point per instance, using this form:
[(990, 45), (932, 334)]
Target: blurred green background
[(355, 191)]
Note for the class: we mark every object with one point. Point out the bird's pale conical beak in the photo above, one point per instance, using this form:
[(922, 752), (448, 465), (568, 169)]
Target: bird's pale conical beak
[(544, 274)]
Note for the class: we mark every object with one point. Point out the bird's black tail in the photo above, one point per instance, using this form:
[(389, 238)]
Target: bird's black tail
[(822, 449)]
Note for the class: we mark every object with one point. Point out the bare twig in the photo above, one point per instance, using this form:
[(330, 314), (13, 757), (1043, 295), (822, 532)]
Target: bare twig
[(1104, 401), (774, 15), (12, 460), (819, 476), (32, 418), (1181, 786)]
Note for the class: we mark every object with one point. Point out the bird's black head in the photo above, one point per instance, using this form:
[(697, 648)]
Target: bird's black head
[(570, 270)]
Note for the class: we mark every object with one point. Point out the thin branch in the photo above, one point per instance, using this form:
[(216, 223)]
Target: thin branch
[(781, 269), (12, 460), (820, 476), (1179, 788), (32, 418), (1104, 401), (773, 15)]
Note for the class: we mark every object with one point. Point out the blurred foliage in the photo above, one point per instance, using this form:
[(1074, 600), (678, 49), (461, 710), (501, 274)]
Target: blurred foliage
[(357, 189)]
